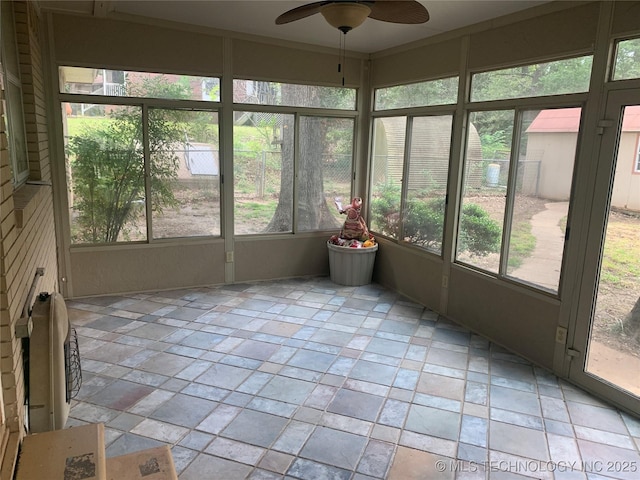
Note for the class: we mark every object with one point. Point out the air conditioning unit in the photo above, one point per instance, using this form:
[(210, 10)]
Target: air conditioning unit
[(54, 364)]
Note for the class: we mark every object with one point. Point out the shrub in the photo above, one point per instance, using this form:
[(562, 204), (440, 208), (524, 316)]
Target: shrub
[(478, 233), (106, 159), (423, 222)]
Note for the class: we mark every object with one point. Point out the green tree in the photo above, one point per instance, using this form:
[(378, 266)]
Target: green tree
[(107, 166), (432, 92), (628, 59), (552, 78)]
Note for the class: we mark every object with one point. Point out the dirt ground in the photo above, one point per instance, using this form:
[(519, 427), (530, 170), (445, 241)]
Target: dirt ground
[(613, 355), (494, 205)]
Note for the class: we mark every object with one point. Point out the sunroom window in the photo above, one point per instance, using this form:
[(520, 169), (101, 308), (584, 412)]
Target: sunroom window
[(11, 87), (534, 80), (293, 95), (121, 83), (136, 171), (292, 159), (627, 59), (516, 188), (421, 94), (409, 178), (518, 171), (410, 162)]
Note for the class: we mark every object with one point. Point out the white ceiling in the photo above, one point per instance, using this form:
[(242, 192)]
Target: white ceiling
[(258, 17)]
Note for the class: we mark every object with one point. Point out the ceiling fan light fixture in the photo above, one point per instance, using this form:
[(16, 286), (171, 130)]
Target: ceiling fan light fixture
[(345, 16)]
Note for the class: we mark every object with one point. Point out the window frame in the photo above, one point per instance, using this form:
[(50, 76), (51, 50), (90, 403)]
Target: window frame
[(473, 74), (518, 106), (614, 60), (13, 111), (145, 104), (410, 114), (274, 104), (298, 113), (377, 90), (122, 87)]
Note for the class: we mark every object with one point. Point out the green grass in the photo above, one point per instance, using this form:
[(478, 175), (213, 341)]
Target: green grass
[(248, 211), (521, 245), (76, 125), (563, 224), (621, 258)]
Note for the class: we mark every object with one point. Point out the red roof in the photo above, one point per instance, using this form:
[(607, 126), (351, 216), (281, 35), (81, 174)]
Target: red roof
[(568, 120), (631, 121)]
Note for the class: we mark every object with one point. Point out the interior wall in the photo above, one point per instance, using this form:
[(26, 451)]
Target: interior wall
[(545, 36), (430, 61), (134, 268), (280, 257), (254, 60), (416, 274), (100, 42), (625, 17), (523, 321), (27, 232)]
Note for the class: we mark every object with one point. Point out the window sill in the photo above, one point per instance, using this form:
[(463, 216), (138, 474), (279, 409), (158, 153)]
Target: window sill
[(26, 200)]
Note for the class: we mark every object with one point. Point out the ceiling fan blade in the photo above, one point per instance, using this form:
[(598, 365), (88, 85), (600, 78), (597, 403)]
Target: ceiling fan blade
[(399, 11), (300, 12)]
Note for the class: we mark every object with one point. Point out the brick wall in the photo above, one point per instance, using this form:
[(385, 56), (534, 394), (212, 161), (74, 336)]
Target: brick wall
[(27, 234)]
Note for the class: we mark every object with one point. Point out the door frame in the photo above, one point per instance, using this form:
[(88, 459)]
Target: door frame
[(597, 220)]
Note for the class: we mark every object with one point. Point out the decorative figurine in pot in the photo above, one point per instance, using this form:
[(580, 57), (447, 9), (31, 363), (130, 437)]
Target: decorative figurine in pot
[(354, 230)]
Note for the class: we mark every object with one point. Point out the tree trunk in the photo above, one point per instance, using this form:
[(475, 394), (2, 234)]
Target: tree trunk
[(631, 323), (282, 220)]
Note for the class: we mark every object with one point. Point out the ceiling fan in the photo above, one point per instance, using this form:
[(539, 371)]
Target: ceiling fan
[(345, 15)]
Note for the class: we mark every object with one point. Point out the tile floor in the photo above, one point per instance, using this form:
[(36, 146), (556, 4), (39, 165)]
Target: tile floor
[(305, 379)]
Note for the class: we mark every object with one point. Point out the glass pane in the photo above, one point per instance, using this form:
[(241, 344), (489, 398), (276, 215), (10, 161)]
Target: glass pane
[(486, 169), (614, 344), (433, 92), (627, 64), (325, 166), (263, 145), (386, 174), (9, 46), (553, 78), (423, 215), (544, 172), (185, 173), (16, 133), (292, 95), (120, 83), (105, 173), (12, 97)]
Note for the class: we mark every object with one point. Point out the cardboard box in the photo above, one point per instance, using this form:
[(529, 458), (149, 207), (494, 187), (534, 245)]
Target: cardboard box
[(151, 464), (75, 453)]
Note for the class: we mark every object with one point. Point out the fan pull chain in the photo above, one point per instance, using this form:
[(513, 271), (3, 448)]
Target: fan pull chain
[(342, 54), (339, 51)]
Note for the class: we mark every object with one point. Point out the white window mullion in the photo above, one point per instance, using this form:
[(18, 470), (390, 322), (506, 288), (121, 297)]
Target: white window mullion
[(510, 195), (147, 171)]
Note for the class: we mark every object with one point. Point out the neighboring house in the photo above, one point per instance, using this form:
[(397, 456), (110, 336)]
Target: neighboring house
[(552, 140)]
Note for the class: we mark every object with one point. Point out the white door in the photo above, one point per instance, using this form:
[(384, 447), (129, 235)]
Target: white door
[(607, 333)]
